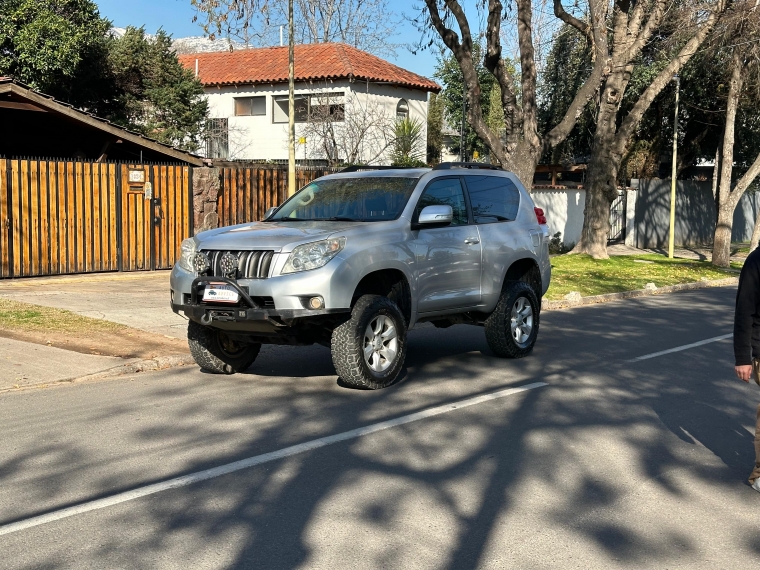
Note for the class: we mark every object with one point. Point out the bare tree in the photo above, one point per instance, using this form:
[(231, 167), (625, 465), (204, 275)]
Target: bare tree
[(347, 128), (633, 24), (737, 37), (523, 144), (369, 25)]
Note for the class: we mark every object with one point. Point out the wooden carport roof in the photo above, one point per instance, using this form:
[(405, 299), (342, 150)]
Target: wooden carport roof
[(18, 97)]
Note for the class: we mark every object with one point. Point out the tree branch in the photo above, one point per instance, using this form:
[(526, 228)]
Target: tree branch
[(598, 12), (633, 118), (528, 74), (494, 63), (463, 54), (570, 20), (643, 35)]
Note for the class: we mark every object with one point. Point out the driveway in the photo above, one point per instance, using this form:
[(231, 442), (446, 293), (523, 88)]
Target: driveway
[(578, 456)]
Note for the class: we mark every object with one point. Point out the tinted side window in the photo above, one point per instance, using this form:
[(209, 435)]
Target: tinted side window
[(493, 198), (446, 192)]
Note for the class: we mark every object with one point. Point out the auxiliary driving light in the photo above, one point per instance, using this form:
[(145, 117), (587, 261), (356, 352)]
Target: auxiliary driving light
[(201, 262), (316, 303), (229, 264)]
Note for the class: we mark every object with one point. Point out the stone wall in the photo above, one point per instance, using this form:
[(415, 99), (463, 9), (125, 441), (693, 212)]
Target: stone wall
[(206, 185)]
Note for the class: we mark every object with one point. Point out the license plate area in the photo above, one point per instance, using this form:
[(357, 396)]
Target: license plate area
[(220, 293)]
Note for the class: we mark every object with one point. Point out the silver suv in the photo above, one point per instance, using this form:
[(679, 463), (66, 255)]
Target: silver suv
[(354, 260)]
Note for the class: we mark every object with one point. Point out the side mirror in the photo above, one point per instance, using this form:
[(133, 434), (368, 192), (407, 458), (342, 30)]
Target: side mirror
[(269, 212), (432, 216)]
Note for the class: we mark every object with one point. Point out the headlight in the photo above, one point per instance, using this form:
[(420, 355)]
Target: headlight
[(188, 249), (313, 255)]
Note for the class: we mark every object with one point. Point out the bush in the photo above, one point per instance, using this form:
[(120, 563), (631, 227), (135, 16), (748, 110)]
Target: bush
[(557, 247)]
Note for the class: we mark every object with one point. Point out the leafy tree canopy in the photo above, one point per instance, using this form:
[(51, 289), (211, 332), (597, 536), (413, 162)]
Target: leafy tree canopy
[(450, 76), (65, 49), (51, 45), (157, 96)]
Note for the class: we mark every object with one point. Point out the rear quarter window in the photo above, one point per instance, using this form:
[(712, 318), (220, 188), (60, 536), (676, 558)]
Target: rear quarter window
[(493, 198)]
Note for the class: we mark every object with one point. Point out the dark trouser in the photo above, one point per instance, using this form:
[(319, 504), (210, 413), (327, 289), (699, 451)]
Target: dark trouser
[(756, 470)]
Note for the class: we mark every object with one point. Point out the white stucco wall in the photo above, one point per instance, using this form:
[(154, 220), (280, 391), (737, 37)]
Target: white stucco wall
[(564, 211), (261, 138)]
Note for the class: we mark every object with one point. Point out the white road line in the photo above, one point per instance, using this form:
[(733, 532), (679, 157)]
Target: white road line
[(257, 460), (680, 348)]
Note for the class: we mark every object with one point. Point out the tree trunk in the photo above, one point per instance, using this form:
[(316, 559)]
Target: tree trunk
[(522, 162), (722, 244), (601, 176), (755, 233), (727, 200)]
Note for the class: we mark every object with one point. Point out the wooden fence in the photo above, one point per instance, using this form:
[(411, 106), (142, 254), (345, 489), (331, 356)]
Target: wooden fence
[(60, 217), (246, 193)]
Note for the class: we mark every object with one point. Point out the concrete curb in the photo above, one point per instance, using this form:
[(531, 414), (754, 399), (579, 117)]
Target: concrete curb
[(596, 299), (158, 363), (134, 367)]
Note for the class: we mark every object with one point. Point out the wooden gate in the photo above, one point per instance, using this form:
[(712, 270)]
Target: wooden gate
[(156, 215), (60, 217)]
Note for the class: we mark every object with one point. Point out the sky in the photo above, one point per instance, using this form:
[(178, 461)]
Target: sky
[(176, 18)]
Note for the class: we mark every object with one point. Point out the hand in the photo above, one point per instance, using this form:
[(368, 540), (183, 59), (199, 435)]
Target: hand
[(743, 372)]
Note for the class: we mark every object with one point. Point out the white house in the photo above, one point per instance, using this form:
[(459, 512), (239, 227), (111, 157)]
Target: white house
[(347, 103)]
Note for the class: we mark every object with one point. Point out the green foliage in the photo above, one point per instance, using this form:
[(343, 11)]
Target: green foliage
[(63, 48), (450, 76), (434, 129), (567, 68), (557, 247), (407, 142), (158, 97), (55, 46)]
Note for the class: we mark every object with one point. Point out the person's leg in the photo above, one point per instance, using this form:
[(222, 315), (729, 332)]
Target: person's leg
[(756, 470)]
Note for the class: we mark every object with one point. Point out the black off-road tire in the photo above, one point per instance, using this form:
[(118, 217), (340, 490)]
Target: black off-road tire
[(347, 344), (207, 347), (497, 325)]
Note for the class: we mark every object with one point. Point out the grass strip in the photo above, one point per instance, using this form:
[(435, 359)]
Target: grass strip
[(64, 329), (17, 316), (591, 276)]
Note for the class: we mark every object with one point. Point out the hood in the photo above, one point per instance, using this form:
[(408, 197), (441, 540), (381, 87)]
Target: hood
[(269, 235)]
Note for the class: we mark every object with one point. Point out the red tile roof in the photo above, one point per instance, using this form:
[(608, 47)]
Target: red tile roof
[(313, 62)]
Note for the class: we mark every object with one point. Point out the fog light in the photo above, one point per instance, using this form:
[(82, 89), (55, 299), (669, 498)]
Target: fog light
[(316, 303)]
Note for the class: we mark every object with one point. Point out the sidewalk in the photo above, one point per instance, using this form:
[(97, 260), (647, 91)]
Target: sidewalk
[(702, 253), (25, 364), (139, 300)]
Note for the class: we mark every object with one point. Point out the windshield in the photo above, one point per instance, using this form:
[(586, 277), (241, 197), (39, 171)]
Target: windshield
[(369, 199)]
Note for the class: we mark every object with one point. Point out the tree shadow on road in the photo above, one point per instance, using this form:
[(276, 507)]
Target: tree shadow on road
[(500, 484)]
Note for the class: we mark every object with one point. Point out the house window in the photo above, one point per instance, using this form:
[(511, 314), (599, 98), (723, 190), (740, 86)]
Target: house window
[(217, 139), (280, 114), (319, 107), (327, 107), (402, 110), (250, 106)]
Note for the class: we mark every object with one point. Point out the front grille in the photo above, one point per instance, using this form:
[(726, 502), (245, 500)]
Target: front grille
[(251, 264)]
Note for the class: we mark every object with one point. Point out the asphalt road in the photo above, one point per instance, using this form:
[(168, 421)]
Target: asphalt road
[(612, 464)]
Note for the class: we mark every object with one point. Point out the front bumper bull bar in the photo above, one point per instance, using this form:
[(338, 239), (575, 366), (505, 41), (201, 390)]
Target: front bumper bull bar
[(246, 311)]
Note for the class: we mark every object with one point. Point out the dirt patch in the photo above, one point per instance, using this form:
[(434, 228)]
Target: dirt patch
[(67, 330)]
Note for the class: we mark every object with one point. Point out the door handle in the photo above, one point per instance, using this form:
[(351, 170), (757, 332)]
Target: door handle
[(472, 241)]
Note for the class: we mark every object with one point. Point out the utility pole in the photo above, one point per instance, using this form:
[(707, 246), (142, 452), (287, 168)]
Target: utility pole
[(674, 174), (462, 151), (291, 104)]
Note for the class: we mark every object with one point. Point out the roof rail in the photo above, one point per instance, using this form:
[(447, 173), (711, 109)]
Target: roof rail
[(472, 165), (357, 167)]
